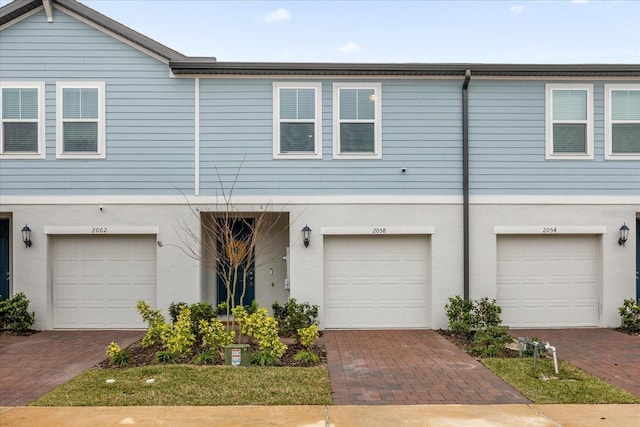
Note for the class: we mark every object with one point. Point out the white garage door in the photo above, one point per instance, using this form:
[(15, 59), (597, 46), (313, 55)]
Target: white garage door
[(547, 281), (97, 280), (376, 282)]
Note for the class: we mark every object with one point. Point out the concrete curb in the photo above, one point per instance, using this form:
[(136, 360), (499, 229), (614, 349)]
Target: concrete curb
[(325, 416)]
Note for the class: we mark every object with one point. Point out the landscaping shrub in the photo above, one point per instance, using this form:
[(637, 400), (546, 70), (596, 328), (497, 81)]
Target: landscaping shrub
[(461, 318), (264, 330), (117, 356), (490, 341), (15, 315), (307, 337), (630, 315), (179, 339), (156, 322), (214, 335), (293, 316)]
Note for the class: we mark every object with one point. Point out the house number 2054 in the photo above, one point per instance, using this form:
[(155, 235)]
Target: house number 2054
[(98, 230), (379, 230), (549, 230)]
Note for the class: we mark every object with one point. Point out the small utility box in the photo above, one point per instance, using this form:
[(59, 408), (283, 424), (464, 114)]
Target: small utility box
[(236, 355)]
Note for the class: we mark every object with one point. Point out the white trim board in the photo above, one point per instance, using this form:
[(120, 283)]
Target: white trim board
[(318, 200), (376, 230), (549, 229), (101, 229)]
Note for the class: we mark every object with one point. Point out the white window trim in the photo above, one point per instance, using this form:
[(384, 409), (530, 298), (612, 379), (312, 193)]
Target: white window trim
[(549, 154), (41, 153), (608, 122), (377, 87), (101, 153), (317, 150)]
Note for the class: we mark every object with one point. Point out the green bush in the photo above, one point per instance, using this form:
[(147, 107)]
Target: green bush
[(117, 356), (462, 320), (214, 335), (490, 341), (293, 316), (206, 357), (264, 330), (156, 322), (630, 315), (179, 339), (14, 313), (306, 357), (467, 316)]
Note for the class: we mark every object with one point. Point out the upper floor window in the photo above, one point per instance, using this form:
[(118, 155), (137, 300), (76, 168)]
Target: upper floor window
[(622, 121), (80, 109), (22, 134), (357, 128), (297, 130), (569, 121)]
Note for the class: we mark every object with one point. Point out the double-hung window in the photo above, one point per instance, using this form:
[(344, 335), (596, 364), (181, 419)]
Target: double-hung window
[(357, 128), (622, 121), (569, 121), (80, 109), (297, 112), (22, 134)]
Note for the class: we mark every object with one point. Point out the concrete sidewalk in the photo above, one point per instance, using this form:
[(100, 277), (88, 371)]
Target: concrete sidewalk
[(324, 416)]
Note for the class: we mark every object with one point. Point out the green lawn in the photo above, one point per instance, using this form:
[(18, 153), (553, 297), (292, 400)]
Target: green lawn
[(571, 385), (179, 385)]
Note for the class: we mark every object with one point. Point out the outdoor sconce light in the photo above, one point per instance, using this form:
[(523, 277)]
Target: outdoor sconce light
[(26, 236), (624, 233), (306, 236)]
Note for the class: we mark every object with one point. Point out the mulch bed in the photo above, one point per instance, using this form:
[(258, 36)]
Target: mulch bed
[(466, 344), (141, 356)]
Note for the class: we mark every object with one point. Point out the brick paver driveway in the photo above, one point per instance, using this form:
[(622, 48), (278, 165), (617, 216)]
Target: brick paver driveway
[(34, 365), (408, 367), (605, 353)]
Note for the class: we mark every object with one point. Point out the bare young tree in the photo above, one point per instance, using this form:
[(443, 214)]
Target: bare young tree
[(227, 243)]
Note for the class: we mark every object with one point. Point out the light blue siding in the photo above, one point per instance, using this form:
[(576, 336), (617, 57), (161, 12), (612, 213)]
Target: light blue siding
[(420, 131), (507, 146), (149, 116), (151, 131)]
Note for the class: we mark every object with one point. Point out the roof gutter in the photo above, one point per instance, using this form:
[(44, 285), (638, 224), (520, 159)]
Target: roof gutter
[(465, 179)]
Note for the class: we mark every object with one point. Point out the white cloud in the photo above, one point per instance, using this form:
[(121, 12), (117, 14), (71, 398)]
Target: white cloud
[(276, 16), (516, 9), (350, 47)]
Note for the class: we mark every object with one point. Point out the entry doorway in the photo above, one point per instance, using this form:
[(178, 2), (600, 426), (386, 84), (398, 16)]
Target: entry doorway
[(5, 261), (236, 262)]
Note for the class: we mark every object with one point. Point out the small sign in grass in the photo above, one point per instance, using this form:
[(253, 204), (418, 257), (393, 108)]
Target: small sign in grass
[(185, 385), (570, 385)]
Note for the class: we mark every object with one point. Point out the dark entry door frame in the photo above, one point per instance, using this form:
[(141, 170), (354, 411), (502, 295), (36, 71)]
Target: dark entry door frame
[(5, 258)]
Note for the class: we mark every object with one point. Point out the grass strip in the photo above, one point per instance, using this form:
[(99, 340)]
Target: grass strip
[(570, 385), (185, 385)]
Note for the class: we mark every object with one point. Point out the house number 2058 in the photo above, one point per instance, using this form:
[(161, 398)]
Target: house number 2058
[(379, 230), (98, 230)]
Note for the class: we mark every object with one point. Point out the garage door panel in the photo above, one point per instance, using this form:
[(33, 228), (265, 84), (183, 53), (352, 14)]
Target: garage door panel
[(376, 281), (547, 280), (97, 280)]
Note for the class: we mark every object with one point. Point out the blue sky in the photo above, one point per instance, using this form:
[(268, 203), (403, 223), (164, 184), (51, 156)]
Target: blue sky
[(499, 31)]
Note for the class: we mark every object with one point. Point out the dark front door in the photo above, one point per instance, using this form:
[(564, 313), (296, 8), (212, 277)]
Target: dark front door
[(4, 258), (236, 261), (638, 259)]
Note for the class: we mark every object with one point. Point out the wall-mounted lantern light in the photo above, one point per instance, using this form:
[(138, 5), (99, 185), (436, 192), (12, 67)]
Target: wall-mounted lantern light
[(26, 236), (624, 234), (306, 236)]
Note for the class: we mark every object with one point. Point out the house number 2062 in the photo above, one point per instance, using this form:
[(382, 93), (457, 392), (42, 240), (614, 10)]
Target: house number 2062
[(98, 230), (379, 230)]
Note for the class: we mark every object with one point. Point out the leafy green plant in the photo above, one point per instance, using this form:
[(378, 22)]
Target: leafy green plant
[(179, 339), (487, 313), (489, 342), (165, 356), (264, 330), (15, 315), (156, 322), (117, 356), (630, 315), (293, 316), (214, 335), (307, 337), (206, 357), (461, 317), (306, 357)]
